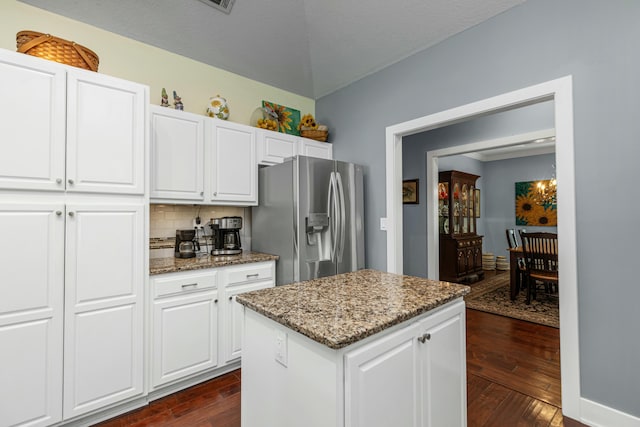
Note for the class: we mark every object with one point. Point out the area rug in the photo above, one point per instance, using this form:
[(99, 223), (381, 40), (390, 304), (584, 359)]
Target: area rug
[(492, 296)]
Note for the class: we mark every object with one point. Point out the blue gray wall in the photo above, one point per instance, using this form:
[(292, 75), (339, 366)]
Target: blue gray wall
[(497, 186), (498, 196), (598, 43)]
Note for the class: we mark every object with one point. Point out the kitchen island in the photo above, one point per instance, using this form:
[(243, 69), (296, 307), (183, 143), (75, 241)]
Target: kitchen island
[(365, 348)]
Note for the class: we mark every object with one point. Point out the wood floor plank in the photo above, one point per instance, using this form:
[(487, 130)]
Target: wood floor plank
[(481, 409)]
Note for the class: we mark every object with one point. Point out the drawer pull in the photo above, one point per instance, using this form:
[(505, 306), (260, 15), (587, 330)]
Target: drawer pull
[(424, 337), (253, 276), (189, 285)]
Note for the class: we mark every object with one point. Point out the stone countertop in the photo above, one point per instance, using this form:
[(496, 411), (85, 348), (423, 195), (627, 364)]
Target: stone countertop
[(340, 310), (171, 264)]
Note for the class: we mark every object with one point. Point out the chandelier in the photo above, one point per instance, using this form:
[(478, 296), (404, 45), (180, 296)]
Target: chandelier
[(545, 192)]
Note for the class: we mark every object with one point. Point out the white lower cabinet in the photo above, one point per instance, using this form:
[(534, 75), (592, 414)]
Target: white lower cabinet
[(71, 312), (420, 368), (104, 271), (31, 314), (234, 319), (185, 326), (197, 325), (382, 372)]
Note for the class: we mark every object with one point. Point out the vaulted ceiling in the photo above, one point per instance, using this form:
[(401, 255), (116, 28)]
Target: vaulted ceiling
[(308, 47)]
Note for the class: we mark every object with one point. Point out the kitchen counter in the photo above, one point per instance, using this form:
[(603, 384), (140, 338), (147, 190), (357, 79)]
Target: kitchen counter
[(340, 310), (172, 264), (365, 348)]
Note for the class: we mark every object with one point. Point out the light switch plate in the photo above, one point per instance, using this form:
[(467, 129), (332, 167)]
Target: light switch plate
[(383, 224)]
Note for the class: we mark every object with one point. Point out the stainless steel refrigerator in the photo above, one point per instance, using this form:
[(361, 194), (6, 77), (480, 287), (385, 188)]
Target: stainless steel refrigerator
[(310, 213)]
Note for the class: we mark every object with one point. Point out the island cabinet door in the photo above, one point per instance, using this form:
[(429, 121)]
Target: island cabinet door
[(381, 382), (442, 368)]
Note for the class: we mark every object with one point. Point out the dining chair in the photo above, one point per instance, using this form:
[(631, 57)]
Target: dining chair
[(512, 241), (540, 252), (511, 238)]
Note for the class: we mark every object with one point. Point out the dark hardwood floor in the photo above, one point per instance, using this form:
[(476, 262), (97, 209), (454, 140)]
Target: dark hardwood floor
[(513, 379)]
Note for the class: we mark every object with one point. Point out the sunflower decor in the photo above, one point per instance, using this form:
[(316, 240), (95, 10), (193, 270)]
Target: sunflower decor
[(288, 118), (529, 211)]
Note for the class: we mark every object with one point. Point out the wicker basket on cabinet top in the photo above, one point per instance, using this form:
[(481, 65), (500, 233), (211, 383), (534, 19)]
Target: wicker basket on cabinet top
[(56, 49)]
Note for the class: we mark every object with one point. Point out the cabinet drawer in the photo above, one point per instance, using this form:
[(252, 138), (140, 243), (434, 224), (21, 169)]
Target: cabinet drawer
[(180, 283), (249, 273)]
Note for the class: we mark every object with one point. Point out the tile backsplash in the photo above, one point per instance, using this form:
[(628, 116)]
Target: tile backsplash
[(165, 219)]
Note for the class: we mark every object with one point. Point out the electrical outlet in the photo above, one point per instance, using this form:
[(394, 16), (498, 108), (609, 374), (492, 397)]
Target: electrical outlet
[(281, 348), (197, 223)]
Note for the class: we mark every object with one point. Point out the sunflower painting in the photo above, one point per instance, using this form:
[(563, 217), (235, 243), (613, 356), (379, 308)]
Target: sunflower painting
[(529, 212), (288, 118)]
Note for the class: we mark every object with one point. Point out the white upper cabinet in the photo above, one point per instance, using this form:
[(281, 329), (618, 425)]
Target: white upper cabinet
[(233, 170), (60, 116), (177, 155), (274, 147), (105, 134), (197, 159), (32, 147), (312, 148)]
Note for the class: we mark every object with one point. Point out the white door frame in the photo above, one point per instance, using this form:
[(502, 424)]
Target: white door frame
[(561, 92)]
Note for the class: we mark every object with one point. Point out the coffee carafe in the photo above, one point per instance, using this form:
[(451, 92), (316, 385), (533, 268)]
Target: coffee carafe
[(226, 235), (186, 244)]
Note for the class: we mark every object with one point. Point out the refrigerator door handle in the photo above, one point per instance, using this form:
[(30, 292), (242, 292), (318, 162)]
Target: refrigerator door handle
[(332, 209), (342, 217)]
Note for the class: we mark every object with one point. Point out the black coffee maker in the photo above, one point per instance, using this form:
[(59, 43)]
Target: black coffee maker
[(186, 244), (226, 235)]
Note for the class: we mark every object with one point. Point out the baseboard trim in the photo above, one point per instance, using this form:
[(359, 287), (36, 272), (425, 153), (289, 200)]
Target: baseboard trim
[(598, 415)]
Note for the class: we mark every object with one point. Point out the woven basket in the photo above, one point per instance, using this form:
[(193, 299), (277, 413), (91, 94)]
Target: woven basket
[(318, 135), (56, 49)]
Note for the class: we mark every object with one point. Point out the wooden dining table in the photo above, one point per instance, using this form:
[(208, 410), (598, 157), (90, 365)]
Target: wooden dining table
[(514, 279)]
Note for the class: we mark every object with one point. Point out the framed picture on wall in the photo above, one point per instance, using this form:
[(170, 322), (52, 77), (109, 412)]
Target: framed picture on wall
[(476, 203), (410, 191)]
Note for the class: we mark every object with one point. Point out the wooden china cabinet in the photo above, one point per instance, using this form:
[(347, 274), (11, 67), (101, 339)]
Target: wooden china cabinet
[(460, 245)]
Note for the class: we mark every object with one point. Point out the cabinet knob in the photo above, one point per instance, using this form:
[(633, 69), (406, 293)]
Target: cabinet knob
[(70, 181), (230, 298), (58, 180), (202, 193), (215, 193), (215, 301), (71, 213), (424, 337), (58, 213)]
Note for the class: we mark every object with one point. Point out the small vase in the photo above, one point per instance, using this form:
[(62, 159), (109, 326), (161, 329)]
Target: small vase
[(218, 108)]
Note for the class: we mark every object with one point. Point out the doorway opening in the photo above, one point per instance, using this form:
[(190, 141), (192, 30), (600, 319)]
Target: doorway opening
[(560, 92)]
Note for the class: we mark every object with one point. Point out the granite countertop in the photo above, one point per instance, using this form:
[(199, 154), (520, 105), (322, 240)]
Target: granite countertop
[(171, 264), (340, 310)]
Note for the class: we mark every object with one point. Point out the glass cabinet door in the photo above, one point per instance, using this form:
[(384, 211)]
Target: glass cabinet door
[(443, 207), (456, 208), (464, 208), (472, 217)]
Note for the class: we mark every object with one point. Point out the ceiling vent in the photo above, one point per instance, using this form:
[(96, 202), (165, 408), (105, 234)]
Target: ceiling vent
[(223, 5)]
